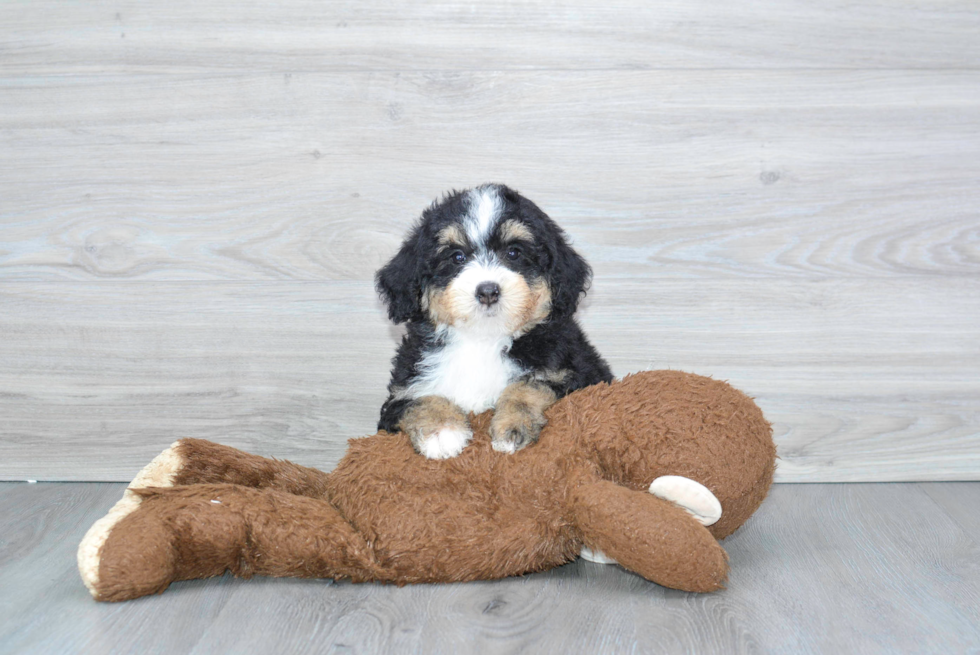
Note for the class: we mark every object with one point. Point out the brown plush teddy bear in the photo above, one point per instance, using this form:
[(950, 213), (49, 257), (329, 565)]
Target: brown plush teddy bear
[(387, 514)]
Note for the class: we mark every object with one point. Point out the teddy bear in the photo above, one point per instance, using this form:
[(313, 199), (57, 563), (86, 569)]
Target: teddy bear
[(649, 471)]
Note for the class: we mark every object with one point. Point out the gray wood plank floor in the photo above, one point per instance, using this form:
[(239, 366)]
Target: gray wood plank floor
[(821, 568)]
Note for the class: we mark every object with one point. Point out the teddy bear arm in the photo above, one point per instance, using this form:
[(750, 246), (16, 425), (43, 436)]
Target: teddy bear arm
[(197, 461), (649, 535), (203, 530)]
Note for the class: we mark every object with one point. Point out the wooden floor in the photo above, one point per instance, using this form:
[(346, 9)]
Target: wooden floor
[(829, 568)]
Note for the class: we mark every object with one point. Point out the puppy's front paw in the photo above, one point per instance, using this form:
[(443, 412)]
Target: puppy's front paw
[(438, 429), (445, 443), (515, 426)]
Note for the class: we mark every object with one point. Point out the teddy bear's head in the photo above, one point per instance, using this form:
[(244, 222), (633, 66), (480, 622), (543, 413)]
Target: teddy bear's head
[(658, 423)]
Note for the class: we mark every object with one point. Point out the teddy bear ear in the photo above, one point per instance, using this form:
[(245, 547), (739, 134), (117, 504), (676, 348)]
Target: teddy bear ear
[(399, 281)]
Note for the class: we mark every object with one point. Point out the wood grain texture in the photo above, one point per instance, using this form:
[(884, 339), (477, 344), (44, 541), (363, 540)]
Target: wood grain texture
[(819, 568), (287, 369), (959, 500), (294, 369), (194, 197), (897, 580), (572, 34), (46, 609), (654, 174)]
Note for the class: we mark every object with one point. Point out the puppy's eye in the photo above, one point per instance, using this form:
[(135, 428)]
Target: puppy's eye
[(513, 253), (459, 256)]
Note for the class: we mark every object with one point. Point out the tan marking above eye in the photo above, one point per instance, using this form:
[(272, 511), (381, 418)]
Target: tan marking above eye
[(511, 230), (452, 236)]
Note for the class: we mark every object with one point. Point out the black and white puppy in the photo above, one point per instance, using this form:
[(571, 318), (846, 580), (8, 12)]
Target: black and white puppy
[(487, 284)]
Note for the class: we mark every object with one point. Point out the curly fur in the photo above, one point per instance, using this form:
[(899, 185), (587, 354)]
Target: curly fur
[(386, 514), (469, 350)]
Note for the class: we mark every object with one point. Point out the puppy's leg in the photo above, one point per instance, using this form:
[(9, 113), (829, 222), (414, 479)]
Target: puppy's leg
[(519, 415), (437, 427)]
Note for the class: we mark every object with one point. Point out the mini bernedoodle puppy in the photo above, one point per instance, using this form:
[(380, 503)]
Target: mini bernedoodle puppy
[(487, 285)]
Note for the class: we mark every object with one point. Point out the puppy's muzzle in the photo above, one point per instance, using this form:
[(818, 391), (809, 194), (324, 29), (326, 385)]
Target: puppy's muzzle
[(488, 293)]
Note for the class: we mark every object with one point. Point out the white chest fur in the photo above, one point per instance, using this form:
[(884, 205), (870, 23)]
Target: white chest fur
[(471, 370)]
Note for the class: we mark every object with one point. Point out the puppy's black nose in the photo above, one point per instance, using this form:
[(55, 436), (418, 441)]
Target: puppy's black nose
[(488, 293)]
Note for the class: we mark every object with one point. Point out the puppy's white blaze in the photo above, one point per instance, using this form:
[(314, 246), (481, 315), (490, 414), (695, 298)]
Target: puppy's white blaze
[(485, 207), (446, 443)]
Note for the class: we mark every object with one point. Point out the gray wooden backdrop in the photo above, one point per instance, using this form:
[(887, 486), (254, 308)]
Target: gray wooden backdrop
[(195, 195)]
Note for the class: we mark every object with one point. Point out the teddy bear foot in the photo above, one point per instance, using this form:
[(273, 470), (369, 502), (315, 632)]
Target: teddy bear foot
[(693, 496), (685, 492), (160, 472), (596, 556)]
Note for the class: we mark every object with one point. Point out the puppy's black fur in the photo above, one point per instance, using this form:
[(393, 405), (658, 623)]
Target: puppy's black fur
[(549, 350)]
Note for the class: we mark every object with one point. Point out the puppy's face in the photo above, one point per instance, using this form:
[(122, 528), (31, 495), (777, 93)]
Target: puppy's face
[(486, 271), (485, 260)]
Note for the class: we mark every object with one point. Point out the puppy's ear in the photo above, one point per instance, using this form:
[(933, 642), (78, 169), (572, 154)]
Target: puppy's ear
[(569, 278), (399, 284)]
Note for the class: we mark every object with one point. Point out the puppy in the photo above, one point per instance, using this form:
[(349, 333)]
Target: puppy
[(487, 285)]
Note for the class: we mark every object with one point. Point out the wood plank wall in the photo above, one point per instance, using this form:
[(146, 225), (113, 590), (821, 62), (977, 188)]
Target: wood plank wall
[(195, 195)]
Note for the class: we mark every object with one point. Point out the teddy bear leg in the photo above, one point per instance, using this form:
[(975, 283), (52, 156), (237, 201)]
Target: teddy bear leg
[(197, 461), (650, 536), (685, 492), (203, 530), (160, 472), (189, 462)]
